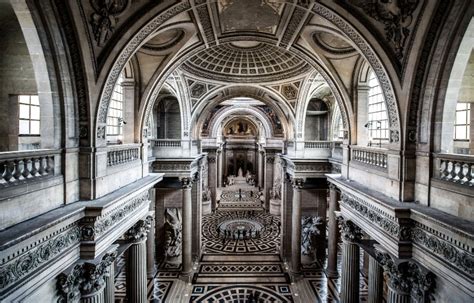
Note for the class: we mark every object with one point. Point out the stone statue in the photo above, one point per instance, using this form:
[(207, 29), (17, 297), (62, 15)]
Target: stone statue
[(309, 230), (173, 235), (240, 173), (206, 194), (275, 192)]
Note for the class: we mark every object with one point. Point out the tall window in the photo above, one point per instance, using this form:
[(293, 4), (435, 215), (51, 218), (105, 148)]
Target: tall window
[(29, 115), (377, 111), (462, 123), (115, 112)]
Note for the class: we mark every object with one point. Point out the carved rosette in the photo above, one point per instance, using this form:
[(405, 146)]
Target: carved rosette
[(349, 231), (138, 232)]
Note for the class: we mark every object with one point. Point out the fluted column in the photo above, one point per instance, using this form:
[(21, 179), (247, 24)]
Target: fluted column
[(150, 248), (296, 226), (136, 263), (350, 261), (261, 167), (187, 225), (333, 232), (375, 281), (219, 168), (109, 291)]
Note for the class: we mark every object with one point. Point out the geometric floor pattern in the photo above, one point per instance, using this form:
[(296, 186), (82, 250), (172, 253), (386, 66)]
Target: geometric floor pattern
[(240, 199), (241, 293), (268, 242)]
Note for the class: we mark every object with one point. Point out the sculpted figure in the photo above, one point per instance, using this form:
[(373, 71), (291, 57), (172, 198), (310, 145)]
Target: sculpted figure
[(173, 234), (309, 230)]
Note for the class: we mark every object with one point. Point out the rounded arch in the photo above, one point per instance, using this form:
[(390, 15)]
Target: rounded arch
[(216, 122), (319, 9)]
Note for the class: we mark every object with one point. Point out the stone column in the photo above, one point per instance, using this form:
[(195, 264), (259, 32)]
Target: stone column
[(351, 234), (268, 175), (187, 228), (375, 281), (219, 168), (296, 226), (150, 251), (333, 232), (109, 291), (136, 263), (92, 289), (260, 169)]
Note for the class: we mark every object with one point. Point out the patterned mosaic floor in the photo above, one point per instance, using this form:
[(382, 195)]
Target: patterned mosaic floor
[(214, 243), (240, 199), (241, 293)]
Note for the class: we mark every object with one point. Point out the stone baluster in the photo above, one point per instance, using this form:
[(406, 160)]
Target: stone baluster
[(187, 230), (296, 226), (136, 263), (350, 234), (333, 232)]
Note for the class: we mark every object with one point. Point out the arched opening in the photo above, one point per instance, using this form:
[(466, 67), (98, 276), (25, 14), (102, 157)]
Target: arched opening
[(317, 121)]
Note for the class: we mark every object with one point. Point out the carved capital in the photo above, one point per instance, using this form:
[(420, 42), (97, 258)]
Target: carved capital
[(407, 277), (138, 232), (349, 231), (68, 285), (270, 159), (186, 182), (331, 186), (211, 159), (297, 183)]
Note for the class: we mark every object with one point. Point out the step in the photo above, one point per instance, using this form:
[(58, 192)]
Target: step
[(240, 258), (236, 279)]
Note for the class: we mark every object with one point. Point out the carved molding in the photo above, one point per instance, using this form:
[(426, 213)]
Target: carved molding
[(94, 227), (21, 264)]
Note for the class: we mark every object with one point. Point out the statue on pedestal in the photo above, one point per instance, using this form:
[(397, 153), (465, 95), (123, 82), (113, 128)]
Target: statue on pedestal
[(309, 231)]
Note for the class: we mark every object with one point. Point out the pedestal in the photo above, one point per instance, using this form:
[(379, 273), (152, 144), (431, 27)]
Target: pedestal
[(275, 207)]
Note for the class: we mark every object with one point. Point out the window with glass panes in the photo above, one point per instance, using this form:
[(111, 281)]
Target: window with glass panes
[(115, 112), (29, 115), (377, 111), (462, 123)]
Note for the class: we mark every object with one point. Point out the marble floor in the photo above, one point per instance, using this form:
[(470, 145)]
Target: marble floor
[(238, 269)]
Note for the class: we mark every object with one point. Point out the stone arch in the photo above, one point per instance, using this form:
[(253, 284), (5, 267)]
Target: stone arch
[(253, 91), (318, 9)]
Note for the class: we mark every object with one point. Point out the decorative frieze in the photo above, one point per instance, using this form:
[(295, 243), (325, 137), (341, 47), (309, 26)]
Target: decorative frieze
[(375, 216), (21, 264), (94, 227)]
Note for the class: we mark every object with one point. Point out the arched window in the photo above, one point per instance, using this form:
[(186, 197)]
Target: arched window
[(377, 123), (115, 113)]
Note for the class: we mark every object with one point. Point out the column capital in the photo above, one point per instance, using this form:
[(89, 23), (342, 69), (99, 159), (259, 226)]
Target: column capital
[(349, 231), (186, 182), (297, 183), (332, 186), (270, 159), (406, 276), (138, 232), (85, 279)]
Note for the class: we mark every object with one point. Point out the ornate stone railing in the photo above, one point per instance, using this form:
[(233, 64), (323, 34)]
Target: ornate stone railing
[(121, 154), (23, 166), (317, 144), (455, 168), (369, 156), (166, 142)]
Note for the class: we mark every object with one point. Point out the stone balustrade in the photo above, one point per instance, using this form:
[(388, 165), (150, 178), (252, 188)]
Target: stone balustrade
[(121, 154), (455, 168), (166, 142), (23, 166), (317, 144), (376, 158)]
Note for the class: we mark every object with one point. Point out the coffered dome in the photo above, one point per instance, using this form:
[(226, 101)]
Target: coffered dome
[(246, 62)]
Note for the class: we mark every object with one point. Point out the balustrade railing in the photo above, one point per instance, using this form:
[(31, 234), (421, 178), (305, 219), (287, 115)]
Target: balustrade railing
[(317, 144), (456, 168), (371, 157), (122, 154), (166, 142), (23, 166)]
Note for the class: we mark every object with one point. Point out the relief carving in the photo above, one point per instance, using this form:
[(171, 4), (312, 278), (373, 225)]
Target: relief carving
[(105, 18), (309, 231)]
